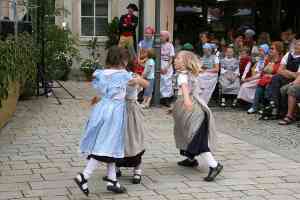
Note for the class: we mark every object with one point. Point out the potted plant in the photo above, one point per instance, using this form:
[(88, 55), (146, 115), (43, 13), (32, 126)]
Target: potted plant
[(89, 65), (112, 33), (17, 65), (60, 49)]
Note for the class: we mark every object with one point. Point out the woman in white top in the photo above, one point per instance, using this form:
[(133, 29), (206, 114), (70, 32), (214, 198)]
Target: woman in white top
[(167, 56)]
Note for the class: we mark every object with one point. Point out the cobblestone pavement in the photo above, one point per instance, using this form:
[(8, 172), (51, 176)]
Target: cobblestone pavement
[(39, 157), (283, 140)]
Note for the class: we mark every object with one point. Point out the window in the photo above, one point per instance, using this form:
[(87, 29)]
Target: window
[(94, 17)]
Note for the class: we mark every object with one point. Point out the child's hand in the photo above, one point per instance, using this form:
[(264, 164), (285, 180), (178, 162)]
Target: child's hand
[(135, 81), (188, 106), (132, 82), (95, 100)]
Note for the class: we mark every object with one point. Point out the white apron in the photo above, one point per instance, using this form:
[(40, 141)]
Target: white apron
[(166, 83), (207, 83), (247, 91)]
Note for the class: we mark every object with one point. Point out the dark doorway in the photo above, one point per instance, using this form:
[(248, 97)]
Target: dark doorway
[(189, 20)]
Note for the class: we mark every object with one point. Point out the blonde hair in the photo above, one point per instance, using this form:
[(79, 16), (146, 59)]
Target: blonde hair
[(191, 62)]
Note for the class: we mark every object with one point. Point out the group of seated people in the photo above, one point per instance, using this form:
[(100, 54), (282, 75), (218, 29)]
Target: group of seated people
[(269, 81)]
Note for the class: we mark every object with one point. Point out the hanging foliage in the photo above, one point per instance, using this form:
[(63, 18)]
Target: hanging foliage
[(56, 46), (17, 62)]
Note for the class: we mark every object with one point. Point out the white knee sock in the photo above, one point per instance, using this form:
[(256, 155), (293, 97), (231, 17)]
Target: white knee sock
[(210, 159), (90, 167), (138, 170), (111, 173)]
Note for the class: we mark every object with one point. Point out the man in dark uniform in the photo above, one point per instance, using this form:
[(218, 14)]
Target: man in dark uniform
[(127, 27)]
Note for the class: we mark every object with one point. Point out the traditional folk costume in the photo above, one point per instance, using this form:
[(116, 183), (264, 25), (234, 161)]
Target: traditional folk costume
[(166, 82), (208, 80), (127, 27), (194, 131), (247, 90), (103, 139), (229, 78), (134, 135), (245, 63)]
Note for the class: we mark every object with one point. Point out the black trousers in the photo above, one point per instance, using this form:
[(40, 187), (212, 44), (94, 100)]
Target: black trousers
[(277, 82)]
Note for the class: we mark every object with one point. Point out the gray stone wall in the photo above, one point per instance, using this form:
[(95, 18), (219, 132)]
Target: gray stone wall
[(76, 74)]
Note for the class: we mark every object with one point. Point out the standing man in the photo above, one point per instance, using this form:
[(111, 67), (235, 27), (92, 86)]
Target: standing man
[(127, 27)]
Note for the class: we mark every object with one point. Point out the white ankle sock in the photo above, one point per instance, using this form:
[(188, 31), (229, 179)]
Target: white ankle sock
[(111, 173), (90, 167), (191, 160), (138, 170), (210, 159)]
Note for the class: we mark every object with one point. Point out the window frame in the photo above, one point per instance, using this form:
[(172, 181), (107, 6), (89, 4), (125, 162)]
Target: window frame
[(101, 37)]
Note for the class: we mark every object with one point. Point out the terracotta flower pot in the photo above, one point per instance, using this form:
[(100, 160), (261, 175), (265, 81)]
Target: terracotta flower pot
[(9, 105)]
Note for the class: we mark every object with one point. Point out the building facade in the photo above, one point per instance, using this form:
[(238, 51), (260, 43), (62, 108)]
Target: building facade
[(87, 18)]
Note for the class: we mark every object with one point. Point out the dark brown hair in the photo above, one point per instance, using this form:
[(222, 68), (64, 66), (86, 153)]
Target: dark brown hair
[(127, 57), (114, 56)]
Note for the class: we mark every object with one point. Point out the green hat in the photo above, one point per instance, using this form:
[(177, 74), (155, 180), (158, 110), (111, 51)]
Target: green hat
[(188, 47)]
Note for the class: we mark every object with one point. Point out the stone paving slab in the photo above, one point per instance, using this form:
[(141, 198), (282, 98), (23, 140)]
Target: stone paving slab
[(39, 158), (283, 140)]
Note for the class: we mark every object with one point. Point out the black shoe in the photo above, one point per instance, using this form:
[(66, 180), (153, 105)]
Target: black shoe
[(213, 173), (82, 184), (137, 179), (119, 173), (115, 188), (269, 113), (188, 163)]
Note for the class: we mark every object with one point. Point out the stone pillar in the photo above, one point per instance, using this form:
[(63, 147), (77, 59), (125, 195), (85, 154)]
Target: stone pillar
[(149, 13), (167, 16), (59, 19), (114, 8), (76, 13), (68, 5)]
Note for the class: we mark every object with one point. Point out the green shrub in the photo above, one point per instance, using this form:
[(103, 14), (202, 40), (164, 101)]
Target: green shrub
[(60, 49), (17, 62)]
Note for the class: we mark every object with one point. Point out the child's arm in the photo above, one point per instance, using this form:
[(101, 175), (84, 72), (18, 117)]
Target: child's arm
[(138, 80), (188, 104)]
